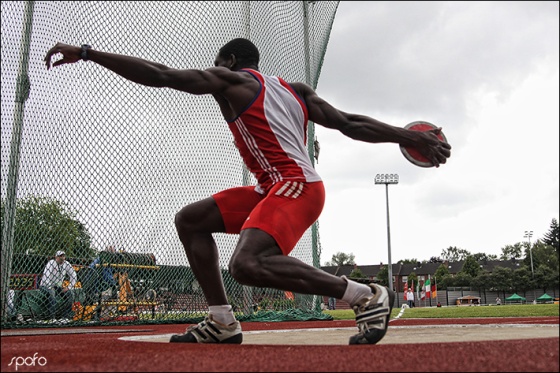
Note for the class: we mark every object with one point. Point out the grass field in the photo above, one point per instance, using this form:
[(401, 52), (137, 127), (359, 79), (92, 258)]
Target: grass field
[(522, 310)]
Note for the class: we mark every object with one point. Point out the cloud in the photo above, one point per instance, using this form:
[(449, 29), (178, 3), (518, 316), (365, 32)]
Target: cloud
[(487, 72)]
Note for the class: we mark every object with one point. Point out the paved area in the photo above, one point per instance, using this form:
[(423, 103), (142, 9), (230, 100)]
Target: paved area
[(16, 332), (395, 334)]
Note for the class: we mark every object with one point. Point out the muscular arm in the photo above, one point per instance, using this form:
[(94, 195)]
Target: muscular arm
[(364, 128), (211, 81)]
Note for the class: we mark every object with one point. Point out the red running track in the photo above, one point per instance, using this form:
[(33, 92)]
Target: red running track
[(104, 352)]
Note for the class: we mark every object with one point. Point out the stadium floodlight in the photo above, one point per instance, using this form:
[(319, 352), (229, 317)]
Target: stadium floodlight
[(388, 179), (528, 235)]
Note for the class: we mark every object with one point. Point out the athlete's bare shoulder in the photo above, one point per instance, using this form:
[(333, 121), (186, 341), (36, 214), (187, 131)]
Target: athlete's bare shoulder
[(307, 93), (302, 89), (320, 111), (239, 89), (232, 77)]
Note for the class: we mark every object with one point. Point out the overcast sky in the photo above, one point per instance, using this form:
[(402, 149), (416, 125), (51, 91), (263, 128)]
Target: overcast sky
[(487, 73)]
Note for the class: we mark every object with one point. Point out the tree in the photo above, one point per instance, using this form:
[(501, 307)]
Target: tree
[(512, 251), (454, 254), (435, 259), (551, 237), (522, 280), (340, 259), (408, 261), (483, 281), (357, 273), (502, 278), (412, 279), (445, 282), (383, 276), (441, 271), (545, 263), (462, 279), (546, 278), (543, 255), (443, 276), (44, 225), (482, 257), (471, 266), (540, 254)]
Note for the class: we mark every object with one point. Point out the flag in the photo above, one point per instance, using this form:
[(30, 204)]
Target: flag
[(434, 289), (405, 290), (427, 287)]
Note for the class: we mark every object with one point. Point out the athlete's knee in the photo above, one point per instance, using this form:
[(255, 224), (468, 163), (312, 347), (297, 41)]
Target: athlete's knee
[(185, 221), (247, 270), (239, 270), (203, 216), (181, 220)]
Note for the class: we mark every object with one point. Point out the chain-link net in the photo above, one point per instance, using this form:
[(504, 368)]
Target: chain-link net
[(97, 166)]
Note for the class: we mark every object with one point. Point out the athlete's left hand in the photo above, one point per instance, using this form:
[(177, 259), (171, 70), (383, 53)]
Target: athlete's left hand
[(70, 54)]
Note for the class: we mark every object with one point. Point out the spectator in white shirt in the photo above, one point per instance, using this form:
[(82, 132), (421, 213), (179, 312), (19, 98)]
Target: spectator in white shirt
[(410, 298), (53, 277)]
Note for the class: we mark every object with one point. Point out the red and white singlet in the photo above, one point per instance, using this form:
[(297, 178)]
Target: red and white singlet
[(271, 134)]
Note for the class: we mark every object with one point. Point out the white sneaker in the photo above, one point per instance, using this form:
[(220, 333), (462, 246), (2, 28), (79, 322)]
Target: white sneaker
[(372, 315), (211, 331)]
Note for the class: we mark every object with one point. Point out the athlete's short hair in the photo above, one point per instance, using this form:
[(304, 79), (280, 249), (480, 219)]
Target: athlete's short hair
[(244, 51)]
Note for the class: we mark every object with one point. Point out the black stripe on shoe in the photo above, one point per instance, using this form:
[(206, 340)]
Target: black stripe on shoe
[(372, 314)]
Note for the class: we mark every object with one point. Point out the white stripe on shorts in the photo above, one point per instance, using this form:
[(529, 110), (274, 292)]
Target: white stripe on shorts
[(294, 189)]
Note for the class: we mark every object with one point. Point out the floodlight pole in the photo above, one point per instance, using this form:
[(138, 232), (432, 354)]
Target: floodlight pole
[(388, 179), (528, 235), (22, 93)]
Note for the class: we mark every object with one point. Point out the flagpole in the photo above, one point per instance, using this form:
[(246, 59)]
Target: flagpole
[(429, 278), (435, 284)]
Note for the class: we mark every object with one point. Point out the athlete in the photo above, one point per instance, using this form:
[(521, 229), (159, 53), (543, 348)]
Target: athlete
[(268, 119)]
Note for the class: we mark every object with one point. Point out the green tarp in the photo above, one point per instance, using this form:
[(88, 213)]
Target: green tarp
[(33, 303), (515, 298), (545, 297)]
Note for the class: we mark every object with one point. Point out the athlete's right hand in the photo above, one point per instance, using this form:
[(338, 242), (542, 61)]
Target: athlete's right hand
[(70, 54), (431, 147)]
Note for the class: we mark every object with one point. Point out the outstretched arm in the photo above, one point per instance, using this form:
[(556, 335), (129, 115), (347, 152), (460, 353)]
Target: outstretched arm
[(211, 81), (364, 128)]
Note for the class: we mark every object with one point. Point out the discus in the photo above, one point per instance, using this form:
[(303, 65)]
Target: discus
[(414, 155)]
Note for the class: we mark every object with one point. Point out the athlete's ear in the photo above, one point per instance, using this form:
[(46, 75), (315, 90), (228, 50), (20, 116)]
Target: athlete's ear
[(233, 61)]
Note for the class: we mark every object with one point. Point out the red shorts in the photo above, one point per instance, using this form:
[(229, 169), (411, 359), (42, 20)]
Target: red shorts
[(286, 212)]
